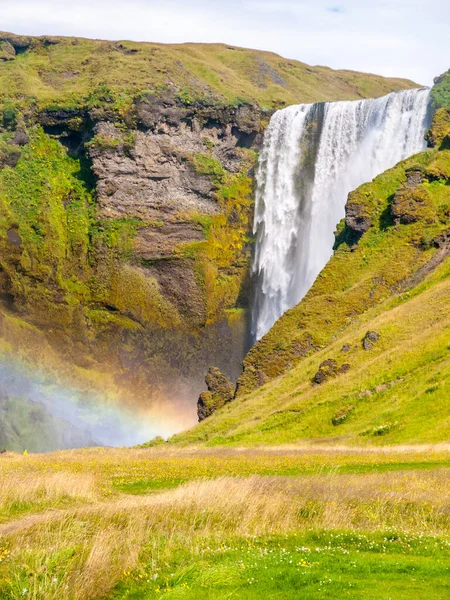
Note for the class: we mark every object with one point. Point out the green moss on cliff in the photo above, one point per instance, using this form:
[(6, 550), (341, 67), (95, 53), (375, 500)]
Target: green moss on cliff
[(56, 256), (135, 294), (222, 260), (208, 165), (441, 90), (44, 224)]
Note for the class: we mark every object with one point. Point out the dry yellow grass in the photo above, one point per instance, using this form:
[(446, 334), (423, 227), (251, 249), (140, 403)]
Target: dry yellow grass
[(30, 492), (84, 551)]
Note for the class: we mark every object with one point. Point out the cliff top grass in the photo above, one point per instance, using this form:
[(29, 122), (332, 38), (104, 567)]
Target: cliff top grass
[(63, 69)]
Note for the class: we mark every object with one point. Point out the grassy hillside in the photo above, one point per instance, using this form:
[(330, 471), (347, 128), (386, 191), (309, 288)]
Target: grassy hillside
[(395, 282), (65, 69)]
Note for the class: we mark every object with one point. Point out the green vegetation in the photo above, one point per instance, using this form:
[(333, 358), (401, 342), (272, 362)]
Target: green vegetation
[(61, 73), (218, 523), (315, 566), (45, 217), (222, 259), (441, 90), (50, 235)]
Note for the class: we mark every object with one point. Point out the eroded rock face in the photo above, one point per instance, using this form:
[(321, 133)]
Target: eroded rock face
[(156, 179), (220, 392), (412, 201), (7, 51), (356, 218), (165, 174)]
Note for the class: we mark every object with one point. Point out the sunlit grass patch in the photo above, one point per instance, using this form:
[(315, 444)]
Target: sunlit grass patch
[(311, 566)]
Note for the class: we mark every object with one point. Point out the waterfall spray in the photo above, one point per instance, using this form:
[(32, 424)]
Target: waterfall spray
[(313, 156)]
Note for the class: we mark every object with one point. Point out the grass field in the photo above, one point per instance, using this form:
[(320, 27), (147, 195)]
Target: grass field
[(282, 522)]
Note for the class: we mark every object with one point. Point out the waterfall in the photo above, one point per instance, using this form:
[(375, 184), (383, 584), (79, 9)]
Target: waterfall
[(313, 156)]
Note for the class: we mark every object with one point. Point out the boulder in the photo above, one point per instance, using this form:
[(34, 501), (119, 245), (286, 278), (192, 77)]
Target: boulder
[(329, 368), (413, 202), (220, 392), (20, 138), (356, 217), (370, 339)]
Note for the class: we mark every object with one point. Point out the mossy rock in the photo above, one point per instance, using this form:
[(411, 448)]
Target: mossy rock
[(412, 204), (7, 51), (438, 136), (440, 92), (342, 414), (220, 392)]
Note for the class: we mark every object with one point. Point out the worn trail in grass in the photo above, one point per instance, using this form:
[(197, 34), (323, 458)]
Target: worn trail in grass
[(205, 523)]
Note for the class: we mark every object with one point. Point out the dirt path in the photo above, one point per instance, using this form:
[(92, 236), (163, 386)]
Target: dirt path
[(28, 521), (125, 502)]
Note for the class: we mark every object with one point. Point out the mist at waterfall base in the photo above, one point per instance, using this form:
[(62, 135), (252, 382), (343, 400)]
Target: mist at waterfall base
[(38, 413), (313, 156)]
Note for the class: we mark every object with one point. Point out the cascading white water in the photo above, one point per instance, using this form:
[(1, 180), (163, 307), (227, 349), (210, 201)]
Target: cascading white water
[(313, 156)]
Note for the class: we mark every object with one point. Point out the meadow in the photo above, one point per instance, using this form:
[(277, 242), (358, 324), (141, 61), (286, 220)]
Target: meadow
[(310, 521)]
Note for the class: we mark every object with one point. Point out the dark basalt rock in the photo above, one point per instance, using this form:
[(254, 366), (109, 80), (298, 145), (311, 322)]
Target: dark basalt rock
[(20, 138), (10, 159), (329, 368), (415, 176), (370, 339), (442, 241), (14, 237), (356, 220), (18, 42), (412, 201), (220, 392)]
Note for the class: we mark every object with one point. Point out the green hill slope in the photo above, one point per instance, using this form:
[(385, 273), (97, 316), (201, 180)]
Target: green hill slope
[(64, 69), (317, 374)]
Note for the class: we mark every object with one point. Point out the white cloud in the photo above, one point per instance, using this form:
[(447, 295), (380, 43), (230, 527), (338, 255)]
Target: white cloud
[(405, 38)]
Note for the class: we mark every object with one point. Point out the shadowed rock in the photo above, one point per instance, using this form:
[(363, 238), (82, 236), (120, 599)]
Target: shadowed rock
[(370, 339), (329, 368), (220, 392)]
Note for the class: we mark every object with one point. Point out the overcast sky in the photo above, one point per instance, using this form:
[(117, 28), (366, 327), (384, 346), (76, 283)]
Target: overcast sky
[(405, 38)]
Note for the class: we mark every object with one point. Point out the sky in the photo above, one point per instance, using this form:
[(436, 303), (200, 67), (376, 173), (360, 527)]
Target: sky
[(401, 38)]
